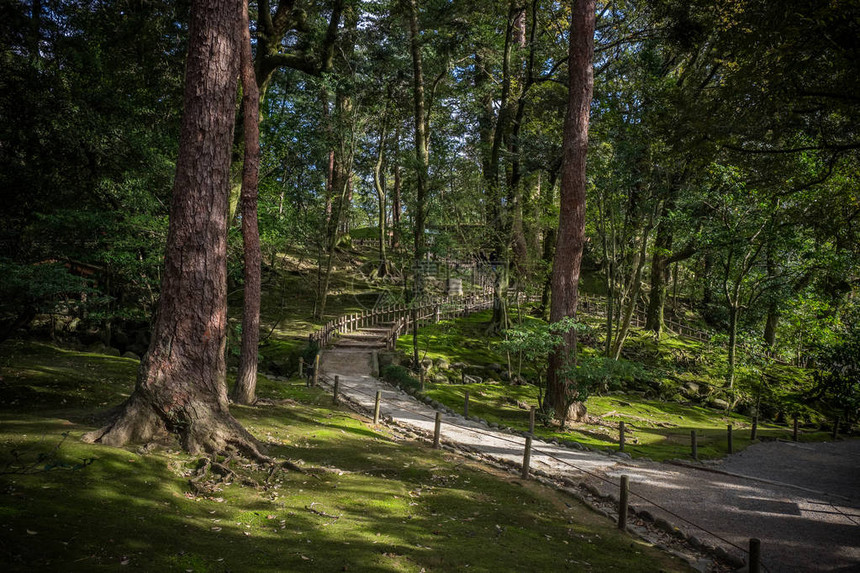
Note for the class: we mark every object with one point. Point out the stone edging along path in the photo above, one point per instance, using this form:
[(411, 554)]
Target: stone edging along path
[(699, 515)]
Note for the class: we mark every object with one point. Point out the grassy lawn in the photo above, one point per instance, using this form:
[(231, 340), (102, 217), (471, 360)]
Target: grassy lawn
[(368, 501)]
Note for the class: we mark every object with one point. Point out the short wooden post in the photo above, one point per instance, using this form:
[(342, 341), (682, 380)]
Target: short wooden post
[(794, 429), (527, 456), (466, 405), (532, 420), (316, 369), (731, 445), (301, 366), (336, 389), (623, 502), (836, 428), (755, 556), (693, 446), (620, 436), (463, 377), (376, 407), (437, 431), (754, 429)]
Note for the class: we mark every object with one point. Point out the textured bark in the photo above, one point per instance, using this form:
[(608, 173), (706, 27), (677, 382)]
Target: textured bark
[(181, 385), (771, 324), (422, 151), (631, 296), (244, 392), (396, 206), (659, 276), (379, 186), (341, 162), (571, 224)]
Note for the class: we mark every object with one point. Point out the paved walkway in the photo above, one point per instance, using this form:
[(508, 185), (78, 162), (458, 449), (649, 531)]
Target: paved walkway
[(801, 500)]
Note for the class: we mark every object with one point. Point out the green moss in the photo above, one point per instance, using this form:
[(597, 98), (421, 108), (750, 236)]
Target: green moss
[(369, 502)]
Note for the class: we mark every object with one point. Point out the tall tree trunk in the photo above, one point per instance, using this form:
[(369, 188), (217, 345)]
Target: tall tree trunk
[(341, 166), (329, 173), (549, 241), (734, 311), (631, 297), (771, 325), (571, 224), (501, 208), (659, 273), (181, 384), (422, 156), (379, 185), (396, 205), (244, 392), (422, 152)]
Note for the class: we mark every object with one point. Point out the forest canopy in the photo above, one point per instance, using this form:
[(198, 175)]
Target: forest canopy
[(723, 157)]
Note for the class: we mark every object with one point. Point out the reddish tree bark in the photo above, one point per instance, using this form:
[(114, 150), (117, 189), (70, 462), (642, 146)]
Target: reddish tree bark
[(244, 392), (571, 223), (181, 385)]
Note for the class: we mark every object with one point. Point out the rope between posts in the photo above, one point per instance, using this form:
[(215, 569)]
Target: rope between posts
[(559, 460)]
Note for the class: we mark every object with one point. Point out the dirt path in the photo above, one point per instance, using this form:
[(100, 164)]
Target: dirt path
[(801, 500)]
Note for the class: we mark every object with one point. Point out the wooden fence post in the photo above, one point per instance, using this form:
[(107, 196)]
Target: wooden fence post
[(693, 445), (623, 502), (376, 407), (532, 420), (336, 389), (316, 369), (754, 429), (437, 431), (527, 456), (755, 556), (731, 445)]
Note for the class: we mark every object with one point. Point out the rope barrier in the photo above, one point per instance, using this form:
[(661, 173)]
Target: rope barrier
[(552, 456)]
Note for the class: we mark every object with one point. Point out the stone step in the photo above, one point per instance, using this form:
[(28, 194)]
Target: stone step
[(358, 336), (375, 344)]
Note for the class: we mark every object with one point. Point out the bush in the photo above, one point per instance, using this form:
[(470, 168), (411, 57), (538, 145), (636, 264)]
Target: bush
[(399, 376)]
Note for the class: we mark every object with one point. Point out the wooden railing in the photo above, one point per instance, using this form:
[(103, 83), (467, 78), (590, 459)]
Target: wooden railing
[(399, 317)]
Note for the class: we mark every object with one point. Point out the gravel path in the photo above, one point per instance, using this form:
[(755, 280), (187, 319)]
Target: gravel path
[(801, 500)]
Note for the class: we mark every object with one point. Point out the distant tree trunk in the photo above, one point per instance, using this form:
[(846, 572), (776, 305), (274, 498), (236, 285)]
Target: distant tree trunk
[(244, 392), (181, 384), (329, 173), (631, 296), (549, 240), (379, 185), (772, 320), (422, 156), (341, 166), (705, 277), (422, 152), (659, 275), (396, 206), (571, 223), (734, 312), (771, 325)]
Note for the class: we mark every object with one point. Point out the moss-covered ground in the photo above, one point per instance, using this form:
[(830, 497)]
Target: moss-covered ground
[(655, 404), (367, 502)]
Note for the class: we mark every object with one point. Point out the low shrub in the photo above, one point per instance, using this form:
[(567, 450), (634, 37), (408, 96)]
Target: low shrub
[(399, 376)]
